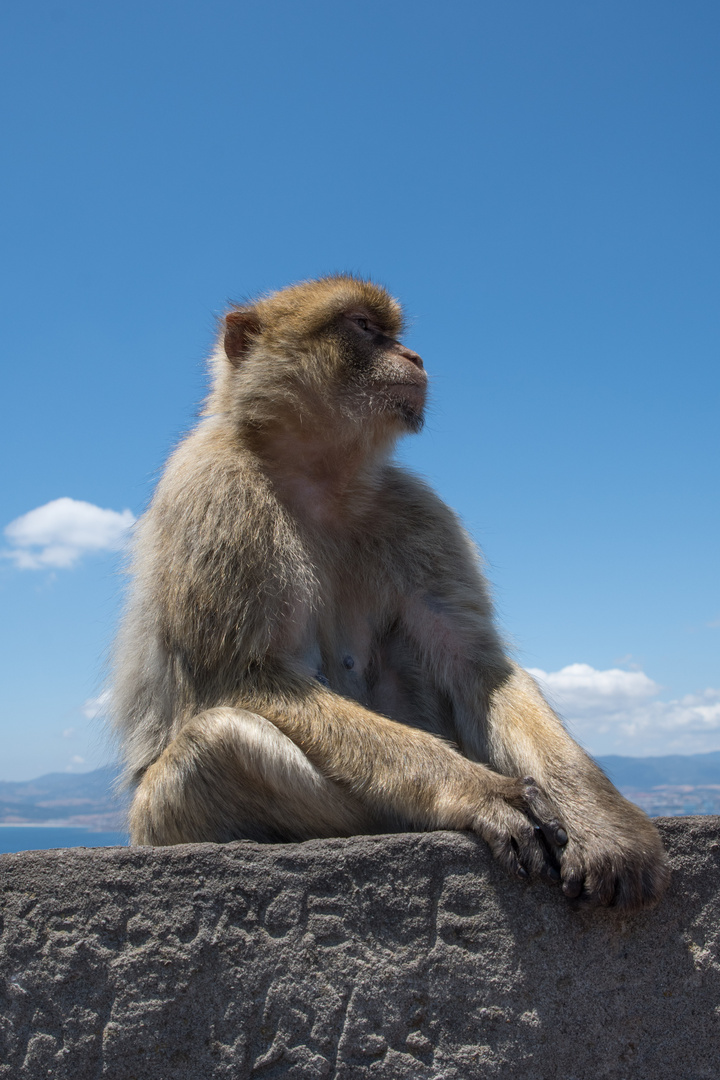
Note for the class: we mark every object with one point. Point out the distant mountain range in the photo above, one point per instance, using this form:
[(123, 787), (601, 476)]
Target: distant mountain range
[(670, 786), (643, 772), (87, 799), (674, 785)]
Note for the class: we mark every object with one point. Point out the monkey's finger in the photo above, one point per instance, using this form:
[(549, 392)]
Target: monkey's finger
[(572, 884), (531, 851), (600, 886), (544, 815), (504, 849), (553, 832), (551, 865), (518, 830)]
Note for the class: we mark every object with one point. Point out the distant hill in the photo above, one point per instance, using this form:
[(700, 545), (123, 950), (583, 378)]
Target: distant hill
[(63, 798), (643, 772), (669, 786), (673, 785)]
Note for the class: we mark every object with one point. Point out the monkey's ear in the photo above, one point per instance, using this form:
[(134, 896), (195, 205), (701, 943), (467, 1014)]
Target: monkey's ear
[(240, 327)]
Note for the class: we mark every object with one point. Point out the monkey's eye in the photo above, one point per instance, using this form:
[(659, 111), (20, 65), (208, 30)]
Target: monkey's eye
[(362, 323)]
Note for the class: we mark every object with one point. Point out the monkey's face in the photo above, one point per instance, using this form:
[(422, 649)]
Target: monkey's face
[(381, 375), (322, 355)]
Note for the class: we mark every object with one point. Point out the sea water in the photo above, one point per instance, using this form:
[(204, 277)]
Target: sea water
[(38, 837)]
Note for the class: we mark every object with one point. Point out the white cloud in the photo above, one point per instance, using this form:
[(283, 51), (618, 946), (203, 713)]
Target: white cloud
[(622, 712), (583, 687), (59, 533), (77, 764), (96, 707)]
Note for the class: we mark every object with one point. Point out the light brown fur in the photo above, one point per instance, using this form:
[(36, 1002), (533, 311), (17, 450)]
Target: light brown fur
[(309, 648)]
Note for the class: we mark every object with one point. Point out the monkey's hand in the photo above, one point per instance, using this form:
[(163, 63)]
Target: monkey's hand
[(614, 857), (522, 828)]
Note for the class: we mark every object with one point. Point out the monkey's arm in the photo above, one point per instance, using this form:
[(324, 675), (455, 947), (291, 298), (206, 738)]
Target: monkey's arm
[(293, 761), (614, 853), (405, 776)]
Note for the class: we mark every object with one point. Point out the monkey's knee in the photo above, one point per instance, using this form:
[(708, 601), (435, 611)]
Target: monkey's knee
[(231, 775)]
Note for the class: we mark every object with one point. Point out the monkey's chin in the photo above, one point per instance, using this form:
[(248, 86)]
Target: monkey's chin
[(413, 421), (407, 403)]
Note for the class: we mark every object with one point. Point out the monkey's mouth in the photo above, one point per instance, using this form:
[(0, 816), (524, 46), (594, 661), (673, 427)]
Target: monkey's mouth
[(411, 392)]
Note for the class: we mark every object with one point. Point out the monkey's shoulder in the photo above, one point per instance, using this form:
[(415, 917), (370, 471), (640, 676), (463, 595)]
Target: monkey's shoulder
[(208, 478), (215, 527), (417, 507), (405, 490)]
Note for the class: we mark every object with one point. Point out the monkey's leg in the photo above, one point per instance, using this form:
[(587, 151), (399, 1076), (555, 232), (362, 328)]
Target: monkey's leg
[(231, 774), (614, 854)]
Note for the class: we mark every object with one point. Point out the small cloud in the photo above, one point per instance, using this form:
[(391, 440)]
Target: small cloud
[(584, 687), (69, 732), (628, 662), (96, 707), (622, 712), (59, 533), (77, 764)]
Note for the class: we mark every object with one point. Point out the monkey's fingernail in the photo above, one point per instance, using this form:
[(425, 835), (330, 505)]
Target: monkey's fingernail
[(552, 872), (572, 888), (522, 872), (528, 780), (561, 837)]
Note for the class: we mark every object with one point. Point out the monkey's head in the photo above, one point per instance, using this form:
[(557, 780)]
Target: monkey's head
[(320, 354)]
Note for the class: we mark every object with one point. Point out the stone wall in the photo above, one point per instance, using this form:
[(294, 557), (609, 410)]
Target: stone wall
[(406, 956)]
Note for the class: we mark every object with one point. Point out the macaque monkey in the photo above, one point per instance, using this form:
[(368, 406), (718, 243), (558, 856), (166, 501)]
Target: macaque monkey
[(309, 647)]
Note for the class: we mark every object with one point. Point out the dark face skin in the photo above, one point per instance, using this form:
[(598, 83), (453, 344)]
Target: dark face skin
[(393, 372)]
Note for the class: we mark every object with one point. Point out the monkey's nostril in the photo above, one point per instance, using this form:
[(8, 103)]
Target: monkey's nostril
[(413, 357)]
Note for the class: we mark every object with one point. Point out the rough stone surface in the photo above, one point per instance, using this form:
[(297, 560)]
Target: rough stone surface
[(406, 956)]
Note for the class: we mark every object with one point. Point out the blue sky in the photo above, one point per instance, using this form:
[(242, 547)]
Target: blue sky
[(537, 183)]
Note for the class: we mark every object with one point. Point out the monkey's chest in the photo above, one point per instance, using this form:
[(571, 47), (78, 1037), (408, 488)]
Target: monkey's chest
[(368, 659), (341, 651)]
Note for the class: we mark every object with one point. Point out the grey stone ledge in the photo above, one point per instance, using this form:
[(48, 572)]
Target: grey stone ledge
[(405, 956)]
